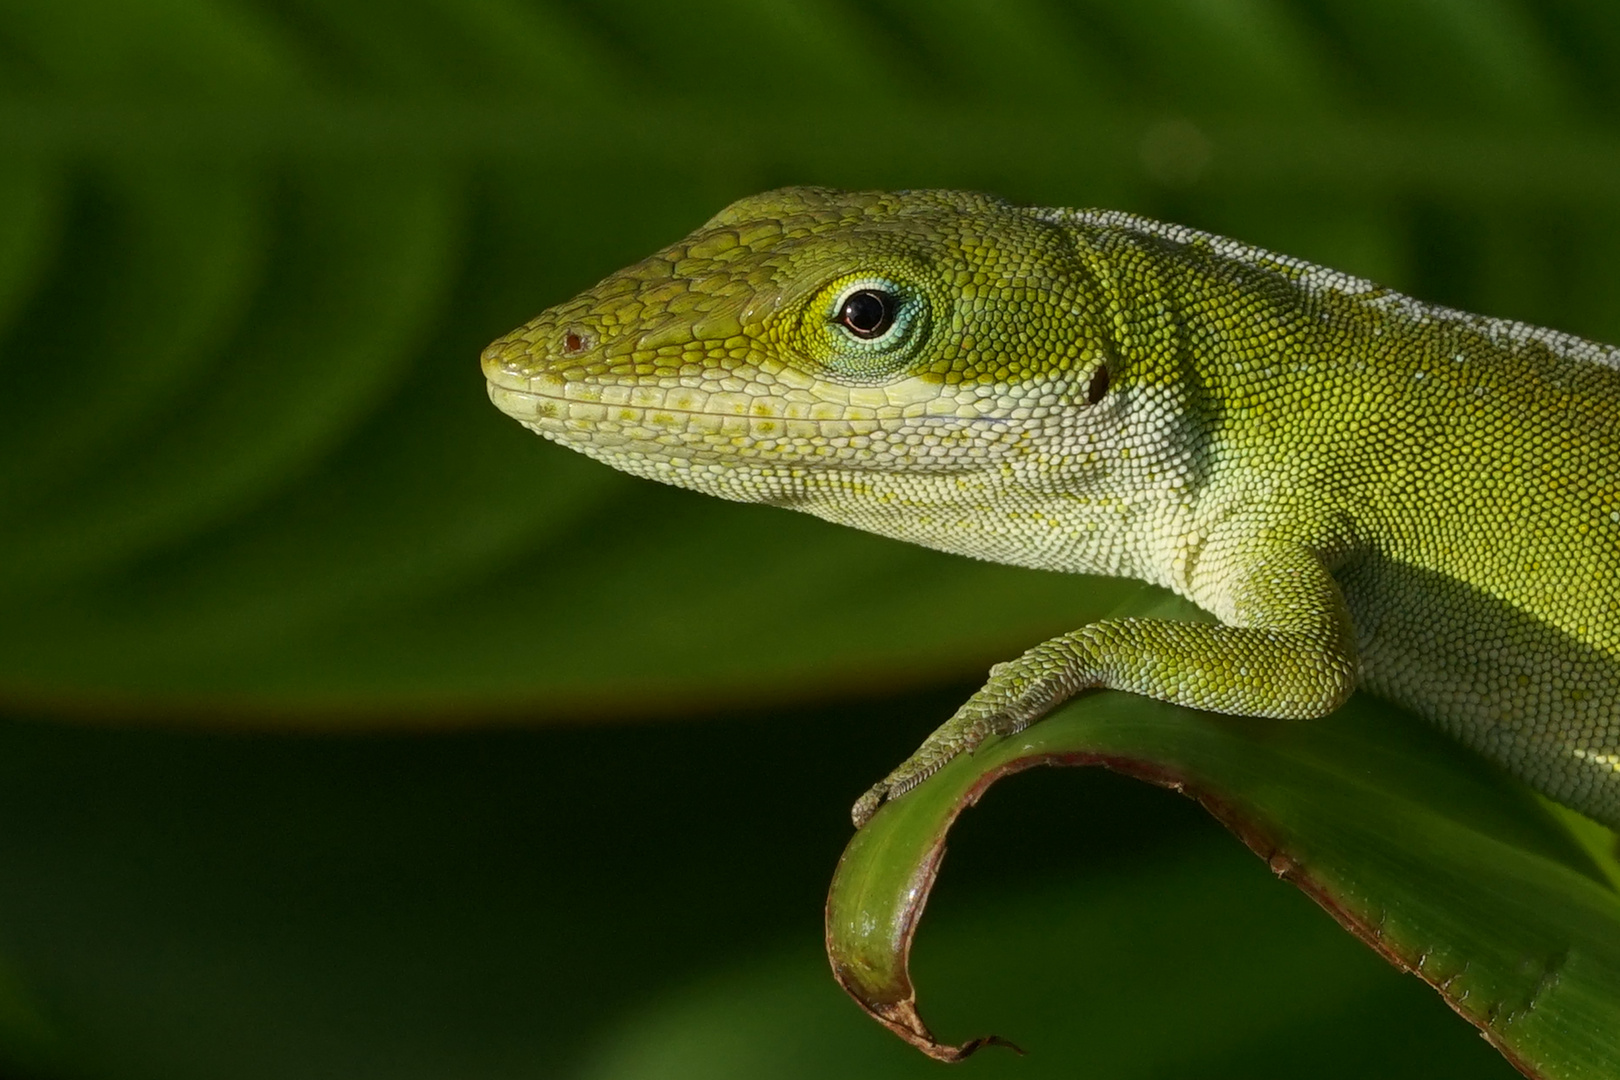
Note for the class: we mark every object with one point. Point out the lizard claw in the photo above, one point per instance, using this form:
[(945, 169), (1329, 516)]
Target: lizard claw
[(868, 804), (896, 784)]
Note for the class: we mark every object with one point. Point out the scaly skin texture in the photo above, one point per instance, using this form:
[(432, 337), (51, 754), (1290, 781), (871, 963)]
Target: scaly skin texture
[(1364, 489)]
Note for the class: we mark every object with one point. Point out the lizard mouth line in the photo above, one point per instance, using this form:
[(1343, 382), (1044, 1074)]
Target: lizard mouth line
[(558, 399), (501, 392)]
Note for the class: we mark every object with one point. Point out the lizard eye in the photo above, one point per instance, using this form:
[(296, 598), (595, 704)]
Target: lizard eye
[(867, 327), (868, 313)]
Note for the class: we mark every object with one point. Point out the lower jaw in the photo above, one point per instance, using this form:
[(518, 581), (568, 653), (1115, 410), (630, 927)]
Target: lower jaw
[(702, 442)]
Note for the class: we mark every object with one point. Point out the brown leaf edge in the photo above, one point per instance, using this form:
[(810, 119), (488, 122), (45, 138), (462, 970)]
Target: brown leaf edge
[(895, 1007)]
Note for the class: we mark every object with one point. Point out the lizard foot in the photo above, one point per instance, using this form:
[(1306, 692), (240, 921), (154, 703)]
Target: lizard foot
[(1018, 693)]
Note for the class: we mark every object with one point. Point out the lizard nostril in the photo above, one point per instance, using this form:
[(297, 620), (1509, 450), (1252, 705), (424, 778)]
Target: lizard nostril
[(572, 342)]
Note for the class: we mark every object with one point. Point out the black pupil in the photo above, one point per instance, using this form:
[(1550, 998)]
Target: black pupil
[(867, 313)]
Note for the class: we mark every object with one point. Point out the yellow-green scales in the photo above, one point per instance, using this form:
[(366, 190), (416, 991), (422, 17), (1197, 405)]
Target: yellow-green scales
[(1363, 489)]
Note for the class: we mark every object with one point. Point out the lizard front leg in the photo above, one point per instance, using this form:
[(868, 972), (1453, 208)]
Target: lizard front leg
[(1285, 649)]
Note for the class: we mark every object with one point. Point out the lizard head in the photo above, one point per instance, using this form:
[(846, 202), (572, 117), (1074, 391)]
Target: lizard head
[(807, 332)]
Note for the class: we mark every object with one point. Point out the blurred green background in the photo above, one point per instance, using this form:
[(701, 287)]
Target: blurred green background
[(351, 731)]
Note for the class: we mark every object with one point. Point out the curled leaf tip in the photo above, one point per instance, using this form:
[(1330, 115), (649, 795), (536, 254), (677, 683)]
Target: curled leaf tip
[(877, 897), (901, 1017)]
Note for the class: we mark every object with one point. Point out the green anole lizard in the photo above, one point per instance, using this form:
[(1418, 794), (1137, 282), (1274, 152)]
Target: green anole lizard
[(1364, 489)]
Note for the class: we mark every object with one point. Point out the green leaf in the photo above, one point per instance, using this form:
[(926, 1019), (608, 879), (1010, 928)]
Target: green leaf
[(1193, 963), (1435, 859)]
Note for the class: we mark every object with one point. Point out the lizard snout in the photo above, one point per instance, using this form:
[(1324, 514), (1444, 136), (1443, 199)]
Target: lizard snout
[(538, 350)]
